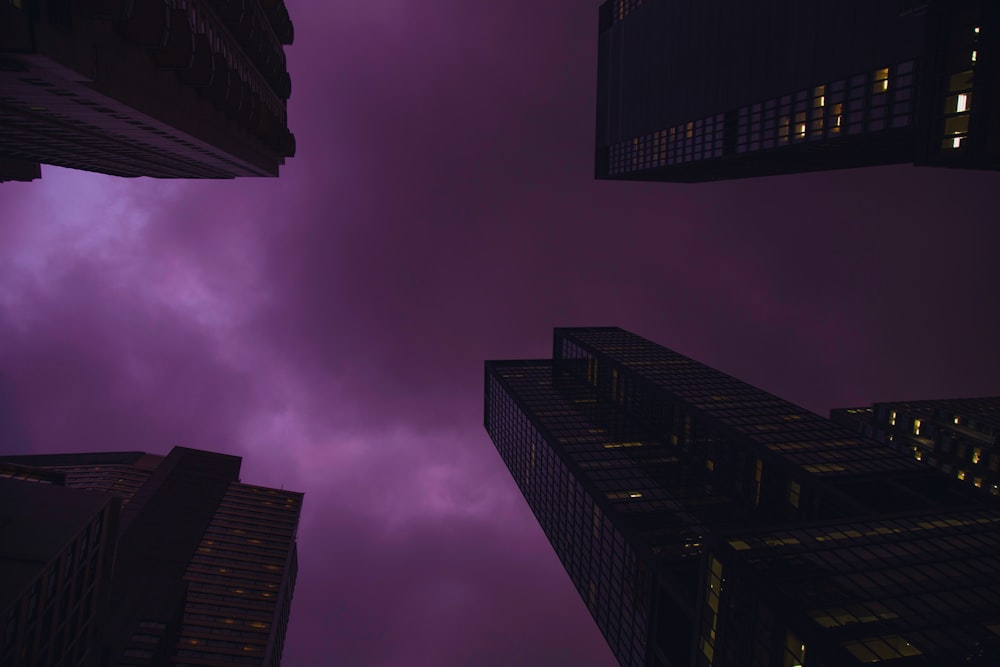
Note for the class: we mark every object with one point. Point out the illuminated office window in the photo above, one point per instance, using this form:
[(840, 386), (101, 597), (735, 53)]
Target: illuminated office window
[(795, 651), (916, 427), (892, 418), (881, 81), (819, 96)]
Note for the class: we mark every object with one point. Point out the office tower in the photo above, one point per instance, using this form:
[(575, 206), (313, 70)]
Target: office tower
[(163, 88), (205, 565), (959, 436), (706, 522), (56, 550), (700, 90)]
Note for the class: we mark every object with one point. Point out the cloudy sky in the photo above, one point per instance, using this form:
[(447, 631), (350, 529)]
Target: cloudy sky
[(330, 325)]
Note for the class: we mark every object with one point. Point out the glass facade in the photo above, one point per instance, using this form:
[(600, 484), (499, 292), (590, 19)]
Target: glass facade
[(205, 566), (658, 479), (203, 95), (695, 90), (958, 436), (55, 566)]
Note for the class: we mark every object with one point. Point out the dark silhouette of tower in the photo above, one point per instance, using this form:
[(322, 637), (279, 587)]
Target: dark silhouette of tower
[(205, 565), (164, 88), (706, 522)]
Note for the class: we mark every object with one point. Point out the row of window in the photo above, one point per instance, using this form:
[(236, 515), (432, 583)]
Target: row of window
[(866, 102)]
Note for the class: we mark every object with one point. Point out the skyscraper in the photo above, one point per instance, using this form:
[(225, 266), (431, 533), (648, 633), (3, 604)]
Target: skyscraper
[(957, 435), (706, 522), (56, 550), (698, 90), (205, 565), (164, 88)]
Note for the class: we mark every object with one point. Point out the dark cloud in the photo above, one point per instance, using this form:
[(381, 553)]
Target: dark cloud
[(330, 326)]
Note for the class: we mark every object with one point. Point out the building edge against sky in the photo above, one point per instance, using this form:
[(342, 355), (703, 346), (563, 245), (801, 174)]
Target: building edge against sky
[(163, 88), (699, 90), (706, 522), (205, 566)]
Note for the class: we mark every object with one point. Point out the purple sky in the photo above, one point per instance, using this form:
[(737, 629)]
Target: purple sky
[(330, 326)]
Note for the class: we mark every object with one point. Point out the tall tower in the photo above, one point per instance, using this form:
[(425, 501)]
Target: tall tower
[(163, 88), (205, 565), (698, 90), (706, 522)]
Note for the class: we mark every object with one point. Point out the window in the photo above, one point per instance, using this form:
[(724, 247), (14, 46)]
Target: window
[(880, 81), (794, 491)]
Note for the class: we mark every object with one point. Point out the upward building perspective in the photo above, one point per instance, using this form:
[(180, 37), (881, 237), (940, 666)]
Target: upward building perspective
[(162, 88), (204, 565), (701, 90), (708, 523)]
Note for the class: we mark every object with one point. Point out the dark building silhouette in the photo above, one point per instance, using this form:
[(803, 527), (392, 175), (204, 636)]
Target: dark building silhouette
[(957, 435), (205, 565), (163, 88), (706, 522), (699, 90), (56, 550)]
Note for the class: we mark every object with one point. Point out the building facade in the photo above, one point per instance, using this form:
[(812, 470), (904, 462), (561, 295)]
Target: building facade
[(56, 550), (959, 436), (162, 88), (664, 486), (698, 90), (205, 566)]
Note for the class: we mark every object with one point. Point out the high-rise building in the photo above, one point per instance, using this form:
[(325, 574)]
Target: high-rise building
[(205, 565), (56, 551), (957, 435), (163, 88), (708, 523), (700, 90)]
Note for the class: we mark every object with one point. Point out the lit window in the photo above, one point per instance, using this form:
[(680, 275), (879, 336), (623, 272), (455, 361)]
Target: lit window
[(962, 103), (976, 30), (978, 482), (794, 491), (957, 125), (892, 418), (973, 56), (961, 475), (976, 454), (956, 420), (881, 81), (916, 427), (635, 494)]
